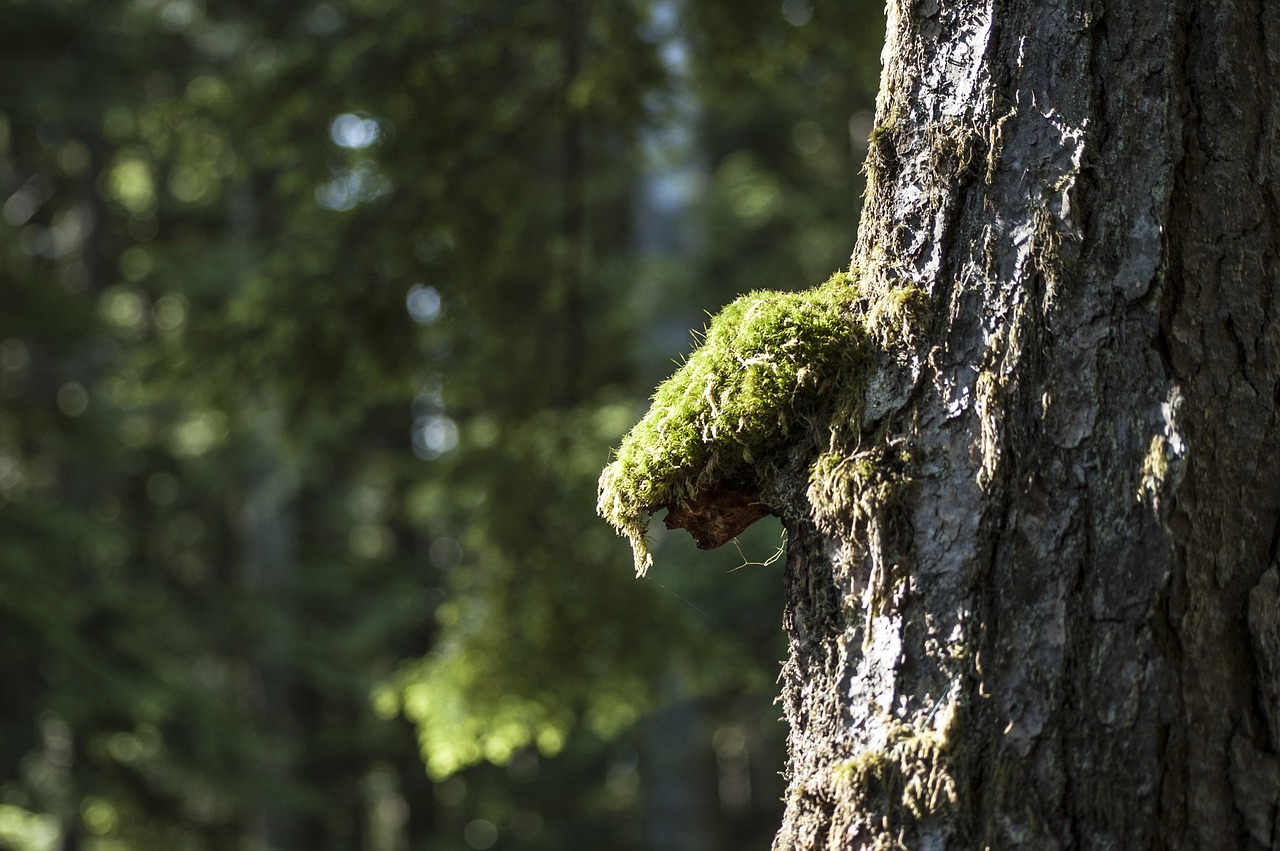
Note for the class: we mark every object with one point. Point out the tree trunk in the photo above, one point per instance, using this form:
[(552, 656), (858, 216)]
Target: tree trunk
[(1033, 599)]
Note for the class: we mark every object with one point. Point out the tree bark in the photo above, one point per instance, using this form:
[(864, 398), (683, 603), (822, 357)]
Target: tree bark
[(1033, 595)]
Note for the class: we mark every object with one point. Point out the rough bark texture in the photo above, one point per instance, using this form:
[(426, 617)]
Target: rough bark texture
[(1033, 592)]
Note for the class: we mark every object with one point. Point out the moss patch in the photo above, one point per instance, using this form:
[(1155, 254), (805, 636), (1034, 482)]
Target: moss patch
[(755, 383), (911, 778)]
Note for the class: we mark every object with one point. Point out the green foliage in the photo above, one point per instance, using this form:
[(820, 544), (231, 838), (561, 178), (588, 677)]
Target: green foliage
[(318, 320), (25, 831), (744, 394)]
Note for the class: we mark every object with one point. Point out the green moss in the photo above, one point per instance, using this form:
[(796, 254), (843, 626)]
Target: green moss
[(954, 149), (756, 382), (848, 491), (909, 780), (881, 152), (868, 769), (894, 314)]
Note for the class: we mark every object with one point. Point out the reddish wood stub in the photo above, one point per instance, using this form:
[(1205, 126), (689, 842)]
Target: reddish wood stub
[(716, 517)]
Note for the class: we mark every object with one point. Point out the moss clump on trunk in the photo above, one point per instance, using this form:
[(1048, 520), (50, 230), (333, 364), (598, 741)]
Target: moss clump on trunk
[(765, 363)]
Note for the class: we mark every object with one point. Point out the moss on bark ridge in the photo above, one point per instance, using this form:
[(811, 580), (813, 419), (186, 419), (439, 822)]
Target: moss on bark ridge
[(766, 362)]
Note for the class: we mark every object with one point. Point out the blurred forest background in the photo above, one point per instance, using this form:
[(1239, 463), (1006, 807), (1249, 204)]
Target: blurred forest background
[(317, 323)]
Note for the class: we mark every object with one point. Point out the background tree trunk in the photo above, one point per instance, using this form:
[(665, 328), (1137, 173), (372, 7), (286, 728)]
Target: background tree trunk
[(1037, 604)]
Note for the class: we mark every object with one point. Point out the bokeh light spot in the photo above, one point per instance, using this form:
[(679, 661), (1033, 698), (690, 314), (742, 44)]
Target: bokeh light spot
[(73, 399), (434, 436), (354, 131), (797, 12), (480, 834), (423, 303), (169, 313), (129, 182), (135, 263)]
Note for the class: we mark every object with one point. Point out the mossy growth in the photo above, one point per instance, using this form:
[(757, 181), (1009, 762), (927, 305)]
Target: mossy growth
[(911, 777), (754, 385), (848, 491)]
